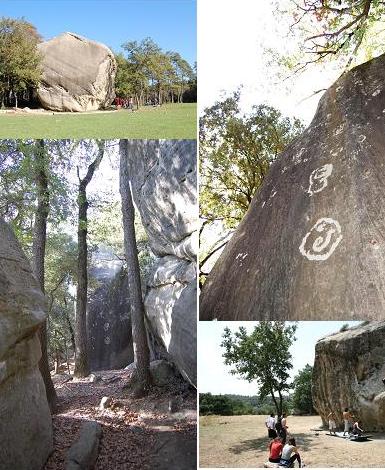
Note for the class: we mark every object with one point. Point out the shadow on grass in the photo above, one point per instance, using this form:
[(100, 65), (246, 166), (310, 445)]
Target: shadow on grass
[(303, 442)]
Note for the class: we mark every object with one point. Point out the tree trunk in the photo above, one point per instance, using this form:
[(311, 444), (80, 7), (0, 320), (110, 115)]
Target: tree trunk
[(139, 336), (38, 254), (82, 366)]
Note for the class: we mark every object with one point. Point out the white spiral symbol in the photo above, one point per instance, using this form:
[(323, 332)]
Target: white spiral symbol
[(319, 178), (322, 240)]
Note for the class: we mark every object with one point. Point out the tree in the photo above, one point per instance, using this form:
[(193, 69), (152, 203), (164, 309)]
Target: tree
[(302, 397), (19, 59), (235, 153), (139, 336), (82, 367), (263, 356), (332, 29), (41, 172)]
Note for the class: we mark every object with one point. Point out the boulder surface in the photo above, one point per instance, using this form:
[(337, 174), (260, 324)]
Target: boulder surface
[(164, 188), (78, 74), (25, 418), (311, 245), (109, 323), (348, 371)]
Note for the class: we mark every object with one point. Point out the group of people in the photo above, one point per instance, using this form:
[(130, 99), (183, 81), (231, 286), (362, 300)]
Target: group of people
[(281, 452), (351, 423), (127, 103)]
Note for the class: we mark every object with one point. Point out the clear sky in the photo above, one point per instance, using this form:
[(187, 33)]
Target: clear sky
[(215, 377), (170, 23)]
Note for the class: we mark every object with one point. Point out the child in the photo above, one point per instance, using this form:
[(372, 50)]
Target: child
[(347, 420), (357, 431), (332, 423)]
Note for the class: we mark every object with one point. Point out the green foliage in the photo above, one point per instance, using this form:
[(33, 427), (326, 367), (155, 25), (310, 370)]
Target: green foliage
[(235, 152), (222, 405), (350, 32), (239, 405), (19, 58), (105, 228), (302, 400), (149, 73), (262, 356)]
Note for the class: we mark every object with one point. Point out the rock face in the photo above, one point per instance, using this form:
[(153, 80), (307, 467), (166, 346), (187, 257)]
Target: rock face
[(25, 419), (108, 319), (84, 452), (164, 187), (78, 74), (311, 243), (348, 372)]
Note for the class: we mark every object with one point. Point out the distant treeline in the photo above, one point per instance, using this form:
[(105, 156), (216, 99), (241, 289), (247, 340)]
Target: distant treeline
[(227, 405)]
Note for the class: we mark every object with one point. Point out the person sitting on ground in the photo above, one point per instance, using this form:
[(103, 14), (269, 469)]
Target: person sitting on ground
[(332, 423), (270, 424), (275, 450), (348, 418), (357, 431), (290, 454)]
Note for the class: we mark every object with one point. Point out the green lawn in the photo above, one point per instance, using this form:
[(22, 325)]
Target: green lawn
[(170, 121)]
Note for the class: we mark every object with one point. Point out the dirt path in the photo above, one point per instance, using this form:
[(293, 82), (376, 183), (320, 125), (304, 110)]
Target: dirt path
[(137, 433), (241, 441)]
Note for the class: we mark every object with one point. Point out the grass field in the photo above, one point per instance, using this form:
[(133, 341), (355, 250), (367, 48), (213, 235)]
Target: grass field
[(170, 121), (241, 441)]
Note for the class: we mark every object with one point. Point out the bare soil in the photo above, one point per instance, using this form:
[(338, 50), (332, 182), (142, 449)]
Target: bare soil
[(137, 433), (241, 441)]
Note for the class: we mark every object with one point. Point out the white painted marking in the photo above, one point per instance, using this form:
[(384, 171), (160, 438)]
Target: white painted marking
[(322, 240), (318, 179)]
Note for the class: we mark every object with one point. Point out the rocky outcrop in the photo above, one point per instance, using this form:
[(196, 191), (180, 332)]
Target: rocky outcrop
[(348, 371), (78, 74), (109, 324), (83, 453), (25, 419), (311, 245), (164, 186)]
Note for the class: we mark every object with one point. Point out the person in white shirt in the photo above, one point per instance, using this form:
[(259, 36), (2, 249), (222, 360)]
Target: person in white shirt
[(332, 423), (270, 424), (284, 428), (290, 454)]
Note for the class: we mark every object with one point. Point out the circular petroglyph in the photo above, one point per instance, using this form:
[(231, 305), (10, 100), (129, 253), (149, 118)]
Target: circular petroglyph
[(319, 178), (322, 240)]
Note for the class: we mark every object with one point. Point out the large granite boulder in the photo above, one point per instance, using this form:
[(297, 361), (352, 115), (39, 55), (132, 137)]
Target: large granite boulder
[(78, 74), (25, 419), (348, 371), (109, 324), (164, 185), (311, 245)]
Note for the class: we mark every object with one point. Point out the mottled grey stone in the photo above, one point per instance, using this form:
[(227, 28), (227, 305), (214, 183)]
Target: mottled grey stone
[(78, 74), (311, 245), (25, 419), (348, 371), (164, 187)]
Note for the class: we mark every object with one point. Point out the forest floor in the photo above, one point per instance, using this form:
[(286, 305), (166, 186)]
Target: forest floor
[(137, 433), (169, 121), (241, 441)]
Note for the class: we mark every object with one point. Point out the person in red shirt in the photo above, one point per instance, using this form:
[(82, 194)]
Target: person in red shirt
[(275, 449)]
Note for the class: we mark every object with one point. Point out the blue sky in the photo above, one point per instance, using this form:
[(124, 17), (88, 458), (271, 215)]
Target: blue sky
[(215, 377), (170, 23)]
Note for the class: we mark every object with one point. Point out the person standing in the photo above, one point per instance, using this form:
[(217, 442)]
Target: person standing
[(348, 419), (284, 428), (332, 423), (270, 424)]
